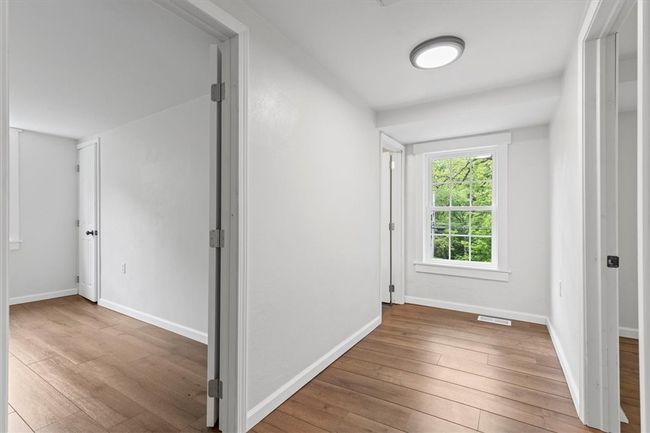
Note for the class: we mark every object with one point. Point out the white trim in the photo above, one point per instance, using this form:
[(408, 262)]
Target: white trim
[(176, 328), (628, 332), (462, 271), (15, 245), (478, 309), (469, 142), (42, 296), (274, 400), (497, 146), (571, 381), (4, 212), (643, 209)]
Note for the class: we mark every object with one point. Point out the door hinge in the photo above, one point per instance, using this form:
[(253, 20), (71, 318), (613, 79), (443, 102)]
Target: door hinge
[(218, 92), (391, 226), (391, 288), (612, 261), (217, 238), (215, 388), (77, 278), (77, 168), (77, 223)]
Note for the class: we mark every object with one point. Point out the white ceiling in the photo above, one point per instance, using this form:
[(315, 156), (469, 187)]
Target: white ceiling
[(367, 45), (79, 67)]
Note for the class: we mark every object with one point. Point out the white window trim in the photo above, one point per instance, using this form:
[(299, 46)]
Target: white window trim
[(497, 145), (15, 239)]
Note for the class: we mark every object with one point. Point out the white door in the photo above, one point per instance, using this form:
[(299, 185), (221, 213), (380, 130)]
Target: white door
[(386, 233), (214, 378), (88, 227)]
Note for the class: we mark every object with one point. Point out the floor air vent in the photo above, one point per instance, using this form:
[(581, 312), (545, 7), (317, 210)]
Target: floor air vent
[(496, 320)]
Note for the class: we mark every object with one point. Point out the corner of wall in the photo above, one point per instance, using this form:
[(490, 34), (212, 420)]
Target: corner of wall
[(270, 403), (574, 385)]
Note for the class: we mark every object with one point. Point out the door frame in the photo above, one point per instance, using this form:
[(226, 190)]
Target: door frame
[(98, 214), (209, 17), (387, 143), (599, 404)]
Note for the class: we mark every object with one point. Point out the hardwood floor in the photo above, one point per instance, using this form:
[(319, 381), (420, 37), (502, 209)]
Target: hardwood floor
[(431, 370), (76, 367), (630, 399)]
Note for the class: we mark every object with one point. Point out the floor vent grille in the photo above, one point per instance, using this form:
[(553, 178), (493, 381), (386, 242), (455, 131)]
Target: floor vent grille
[(498, 321)]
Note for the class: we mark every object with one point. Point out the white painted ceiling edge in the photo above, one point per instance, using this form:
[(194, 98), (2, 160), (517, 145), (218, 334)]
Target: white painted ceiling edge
[(495, 110)]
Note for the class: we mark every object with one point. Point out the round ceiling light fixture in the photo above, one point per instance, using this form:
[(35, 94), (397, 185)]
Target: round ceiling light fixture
[(437, 52)]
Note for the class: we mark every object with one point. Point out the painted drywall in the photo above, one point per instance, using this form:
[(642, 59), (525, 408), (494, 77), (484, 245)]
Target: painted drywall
[(526, 292), (46, 262), (628, 277), (566, 249), (313, 223), (154, 182), (134, 56), (512, 107)]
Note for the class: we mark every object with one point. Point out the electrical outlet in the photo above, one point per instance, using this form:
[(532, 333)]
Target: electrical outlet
[(124, 268)]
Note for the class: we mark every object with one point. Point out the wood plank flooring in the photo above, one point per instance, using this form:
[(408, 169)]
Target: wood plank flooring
[(630, 399), (431, 370), (77, 367)]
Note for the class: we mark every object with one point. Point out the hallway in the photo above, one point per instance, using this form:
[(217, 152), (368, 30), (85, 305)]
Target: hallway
[(432, 370)]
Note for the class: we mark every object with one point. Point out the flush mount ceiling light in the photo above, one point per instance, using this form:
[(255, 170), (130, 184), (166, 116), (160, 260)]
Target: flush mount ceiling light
[(437, 52)]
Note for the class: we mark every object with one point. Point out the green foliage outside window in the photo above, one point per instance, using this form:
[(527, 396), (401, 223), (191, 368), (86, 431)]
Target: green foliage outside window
[(462, 234)]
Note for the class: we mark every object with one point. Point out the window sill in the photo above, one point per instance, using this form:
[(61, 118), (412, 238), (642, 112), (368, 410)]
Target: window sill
[(463, 271)]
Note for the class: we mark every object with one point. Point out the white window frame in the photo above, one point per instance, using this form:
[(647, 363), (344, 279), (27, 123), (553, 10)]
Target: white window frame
[(497, 146)]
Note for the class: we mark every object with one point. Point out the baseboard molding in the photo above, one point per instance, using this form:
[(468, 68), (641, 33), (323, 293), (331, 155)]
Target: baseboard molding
[(42, 296), (274, 400), (193, 334), (477, 309), (628, 332), (571, 381)]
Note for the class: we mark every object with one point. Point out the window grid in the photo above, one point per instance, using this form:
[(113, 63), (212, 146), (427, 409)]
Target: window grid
[(468, 196)]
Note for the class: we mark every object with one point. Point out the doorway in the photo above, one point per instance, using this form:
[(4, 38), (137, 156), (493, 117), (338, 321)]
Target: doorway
[(228, 97), (613, 173), (392, 221)]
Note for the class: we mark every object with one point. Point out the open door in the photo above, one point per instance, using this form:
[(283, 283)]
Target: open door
[(217, 238), (88, 222), (387, 226)]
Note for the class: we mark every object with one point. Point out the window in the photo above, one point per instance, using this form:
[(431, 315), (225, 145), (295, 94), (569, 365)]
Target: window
[(461, 208), (465, 207)]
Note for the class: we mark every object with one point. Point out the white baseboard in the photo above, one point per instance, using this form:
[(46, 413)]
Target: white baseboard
[(42, 296), (564, 363), (477, 309), (193, 334), (274, 400), (628, 332)]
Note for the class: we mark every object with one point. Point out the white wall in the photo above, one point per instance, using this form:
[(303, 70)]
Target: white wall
[(154, 217), (46, 261), (566, 194), (628, 277), (526, 293), (313, 225)]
